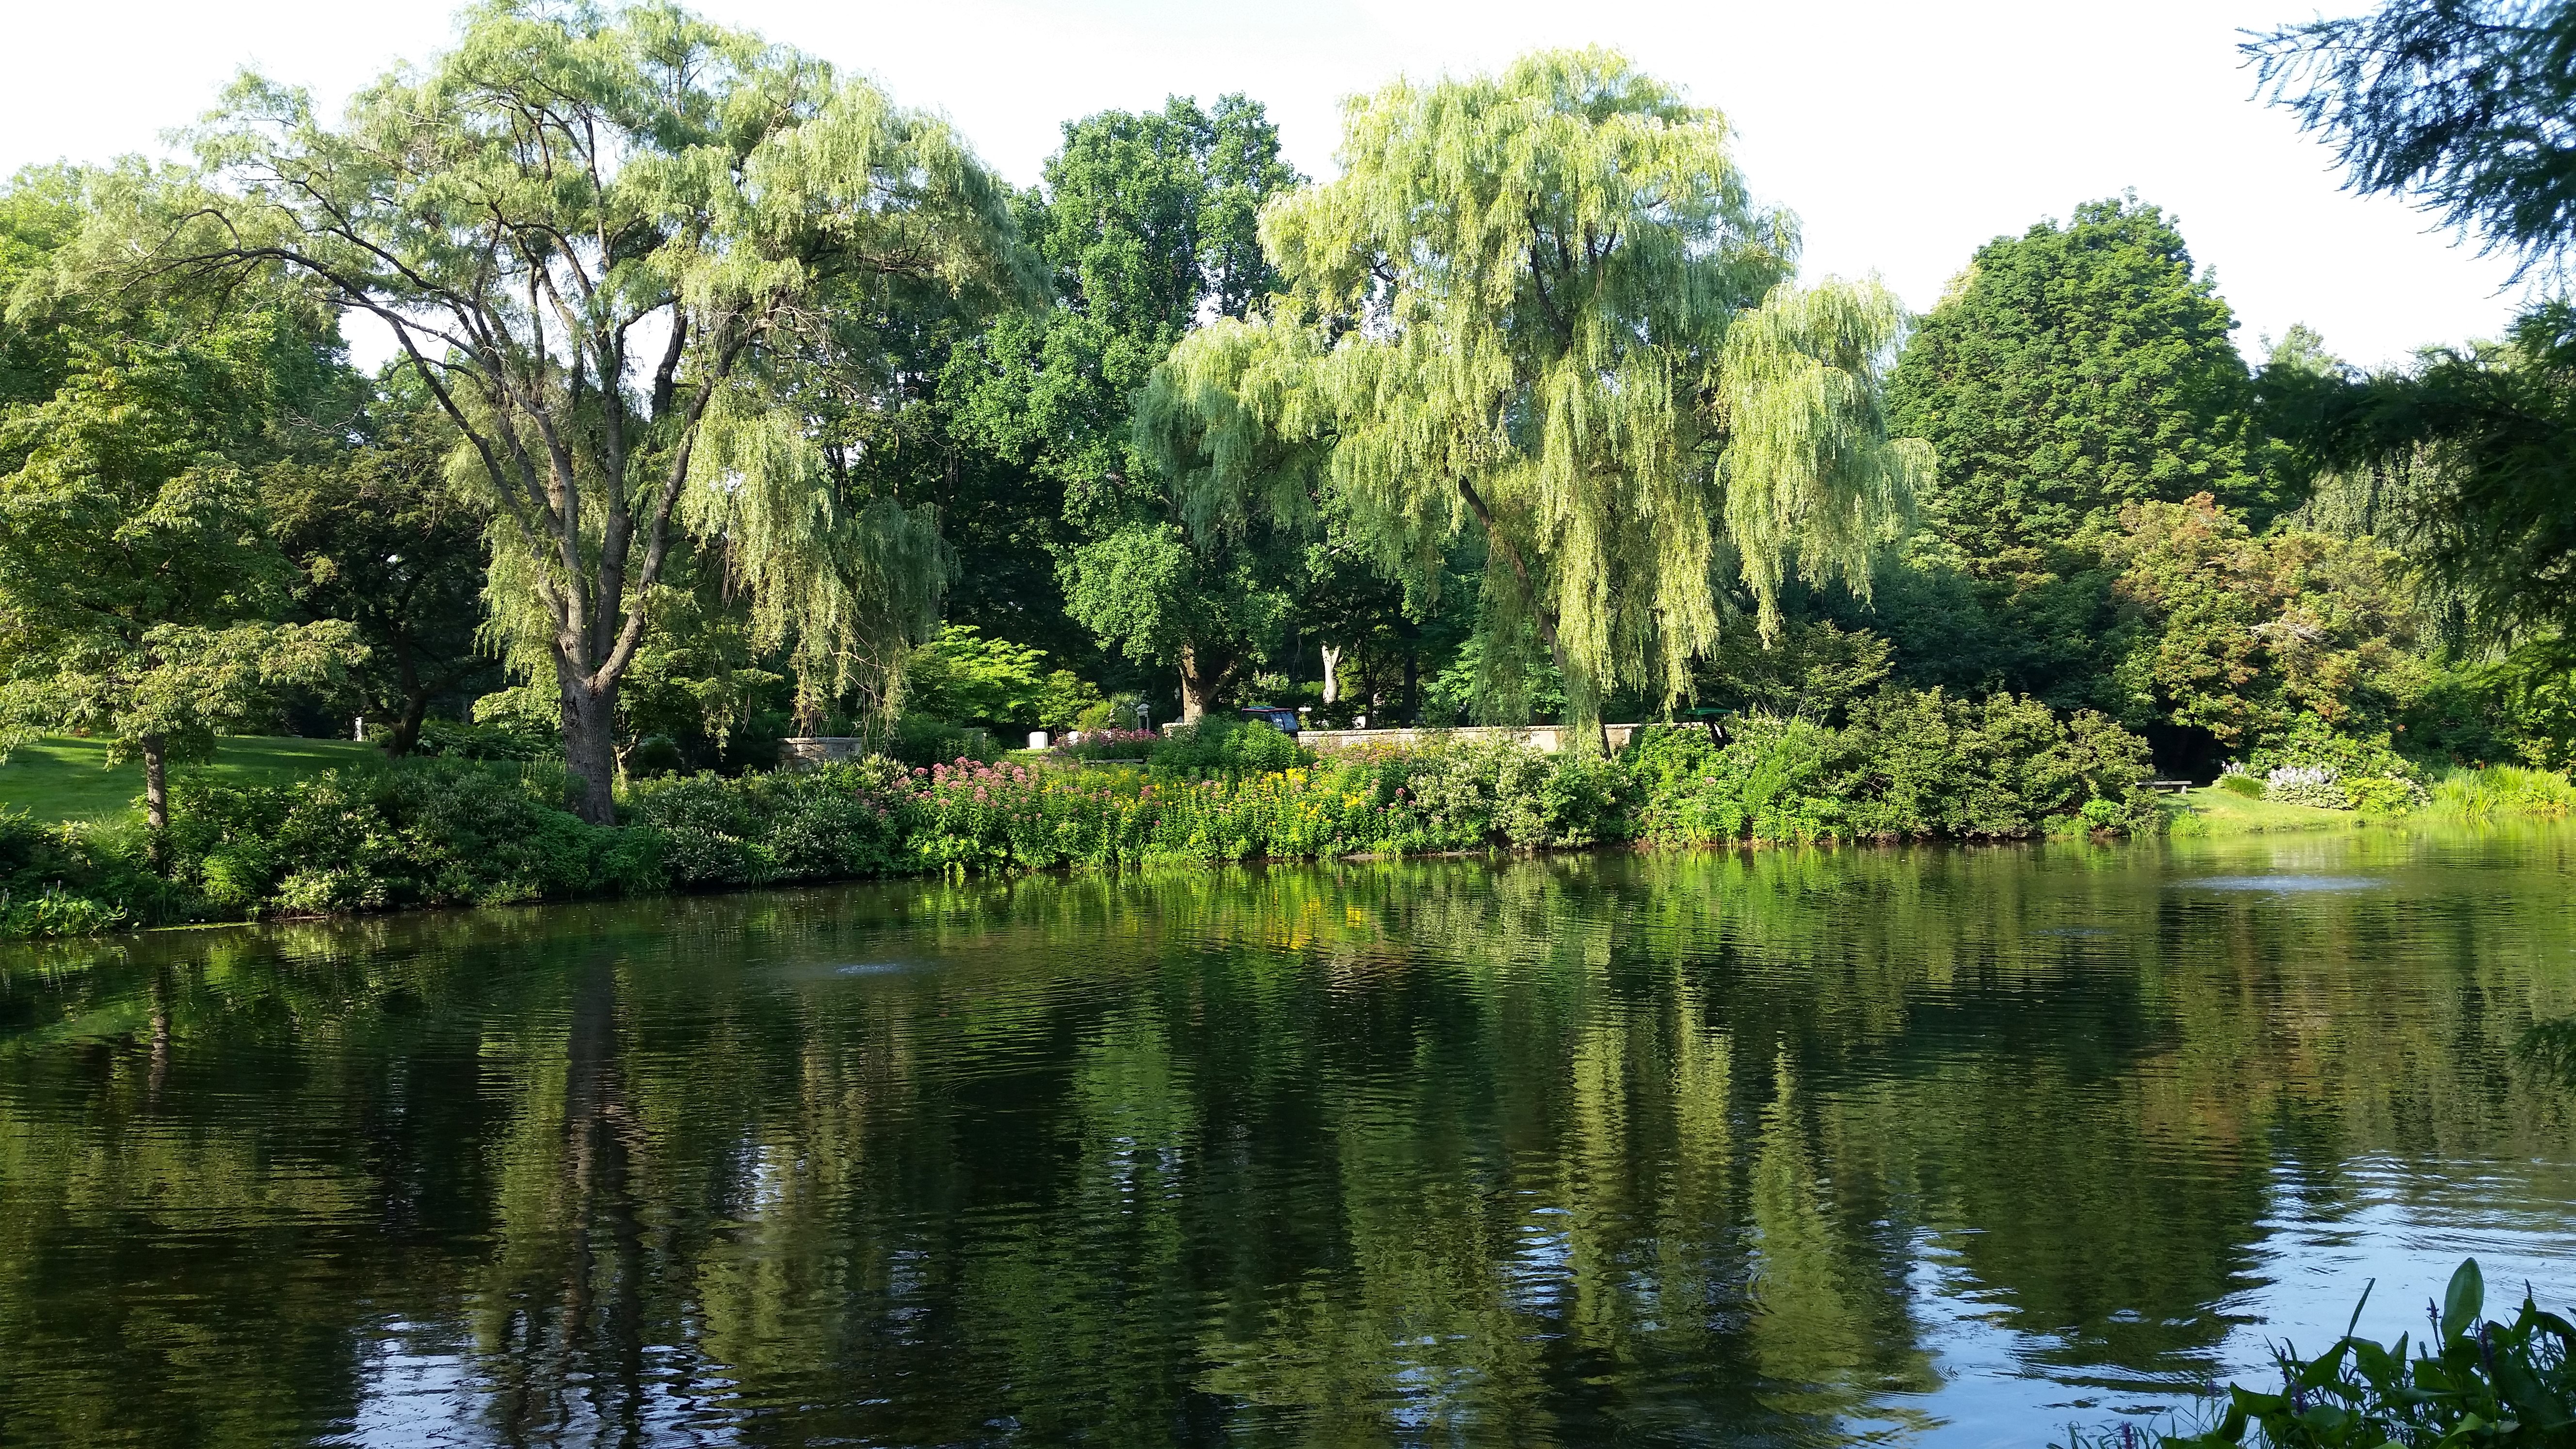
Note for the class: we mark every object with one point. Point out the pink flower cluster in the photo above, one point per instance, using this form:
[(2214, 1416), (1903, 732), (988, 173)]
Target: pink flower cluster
[(964, 774), (1112, 737)]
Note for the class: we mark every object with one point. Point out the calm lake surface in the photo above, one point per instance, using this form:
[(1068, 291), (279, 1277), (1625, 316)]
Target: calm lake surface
[(1949, 1147)]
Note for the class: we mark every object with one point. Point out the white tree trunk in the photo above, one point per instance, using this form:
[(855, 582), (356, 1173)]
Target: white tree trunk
[(1332, 671)]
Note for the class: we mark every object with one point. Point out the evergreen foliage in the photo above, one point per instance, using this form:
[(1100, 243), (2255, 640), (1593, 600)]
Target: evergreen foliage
[(2461, 106), (2069, 371)]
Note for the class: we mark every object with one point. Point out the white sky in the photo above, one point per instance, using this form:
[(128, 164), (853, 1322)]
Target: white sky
[(1903, 134)]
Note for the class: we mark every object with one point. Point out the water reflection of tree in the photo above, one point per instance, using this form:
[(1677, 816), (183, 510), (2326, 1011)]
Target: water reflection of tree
[(1561, 1149)]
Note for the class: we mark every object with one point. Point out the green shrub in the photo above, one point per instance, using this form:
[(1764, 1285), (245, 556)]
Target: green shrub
[(921, 740), (838, 821), (444, 830), (1479, 794), (1218, 746), (510, 738), (407, 833), (2311, 743), (76, 879), (1916, 764), (1765, 783), (2240, 783), (1910, 765), (651, 756), (2383, 794)]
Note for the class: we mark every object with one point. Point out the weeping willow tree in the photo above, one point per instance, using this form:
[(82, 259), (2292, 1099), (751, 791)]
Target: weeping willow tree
[(1541, 309), (623, 248)]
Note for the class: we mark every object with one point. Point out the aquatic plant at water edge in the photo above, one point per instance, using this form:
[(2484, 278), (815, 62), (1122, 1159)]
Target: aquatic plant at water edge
[(2502, 790), (2472, 1381)]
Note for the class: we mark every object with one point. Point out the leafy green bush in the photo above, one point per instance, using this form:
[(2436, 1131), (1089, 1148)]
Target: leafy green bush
[(920, 739), (838, 821), (2237, 782), (1916, 764), (2383, 794), (1479, 794), (1910, 765), (2313, 744), (510, 738), (1765, 783), (442, 830), (76, 880), (407, 833), (1219, 746)]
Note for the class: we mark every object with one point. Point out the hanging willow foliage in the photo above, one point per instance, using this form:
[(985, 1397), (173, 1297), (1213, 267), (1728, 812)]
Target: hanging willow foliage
[(1543, 308), (622, 248)]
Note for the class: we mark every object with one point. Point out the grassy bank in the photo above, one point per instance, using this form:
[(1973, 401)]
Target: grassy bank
[(2211, 811), (58, 778)]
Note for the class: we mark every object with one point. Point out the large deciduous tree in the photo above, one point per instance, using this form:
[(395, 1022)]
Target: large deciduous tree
[(1150, 224), (382, 537), (2070, 371), (613, 243), (138, 583), (1541, 309)]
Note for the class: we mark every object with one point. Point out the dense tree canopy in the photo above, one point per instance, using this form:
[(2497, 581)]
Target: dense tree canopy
[(732, 400), (138, 581), (1541, 306), (2069, 371), (2461, 106), (383, 538), (2479, 445), (615, 245), (1148, 222)]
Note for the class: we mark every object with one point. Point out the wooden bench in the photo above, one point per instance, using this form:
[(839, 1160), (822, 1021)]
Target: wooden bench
[(2170, 787)]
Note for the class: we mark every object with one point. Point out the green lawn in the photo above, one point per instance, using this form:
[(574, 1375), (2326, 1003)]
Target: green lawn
[(60, 778), (2212, 811)]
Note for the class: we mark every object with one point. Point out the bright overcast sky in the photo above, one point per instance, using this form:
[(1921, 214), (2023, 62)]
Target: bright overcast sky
[(1902, 134)]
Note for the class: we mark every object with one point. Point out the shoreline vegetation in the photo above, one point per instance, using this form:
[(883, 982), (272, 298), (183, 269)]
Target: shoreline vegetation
[(252, 843)]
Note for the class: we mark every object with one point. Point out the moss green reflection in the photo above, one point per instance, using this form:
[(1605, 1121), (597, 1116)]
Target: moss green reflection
[(1787, 1146)]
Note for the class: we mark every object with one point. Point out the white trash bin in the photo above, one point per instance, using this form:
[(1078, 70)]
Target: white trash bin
[(1037, 739)]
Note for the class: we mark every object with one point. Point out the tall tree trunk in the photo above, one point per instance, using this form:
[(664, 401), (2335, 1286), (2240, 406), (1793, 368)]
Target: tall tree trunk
[(415, 697), (156, 793), (1332, 671), (590, 748), (406, 731), (1203, 681)]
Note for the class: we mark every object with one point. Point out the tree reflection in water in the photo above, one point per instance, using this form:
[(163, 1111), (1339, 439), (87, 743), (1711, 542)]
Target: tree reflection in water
[(1684, 1148)]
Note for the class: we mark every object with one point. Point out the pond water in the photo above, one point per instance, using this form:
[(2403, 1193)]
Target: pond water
[(1950, 1147)]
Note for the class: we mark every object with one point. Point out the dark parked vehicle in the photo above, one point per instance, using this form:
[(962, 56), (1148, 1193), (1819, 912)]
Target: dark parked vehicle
[(1282, 720)]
